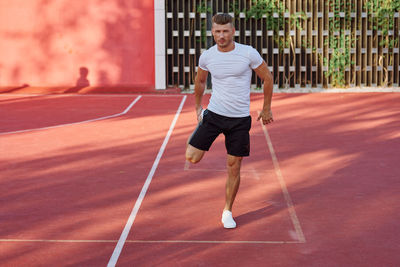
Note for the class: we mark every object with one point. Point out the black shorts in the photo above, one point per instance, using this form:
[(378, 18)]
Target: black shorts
[(236, 131)]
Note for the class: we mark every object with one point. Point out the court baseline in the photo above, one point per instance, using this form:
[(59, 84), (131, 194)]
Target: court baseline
[(150, 241)]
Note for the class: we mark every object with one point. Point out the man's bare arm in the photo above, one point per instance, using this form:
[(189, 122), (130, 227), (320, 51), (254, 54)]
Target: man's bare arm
[(263, 72), (199, 87)]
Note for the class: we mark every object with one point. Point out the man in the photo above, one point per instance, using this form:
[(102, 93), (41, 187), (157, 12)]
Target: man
[(228, 111)]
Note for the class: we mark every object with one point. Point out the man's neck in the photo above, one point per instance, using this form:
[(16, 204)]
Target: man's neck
[(227, 48)]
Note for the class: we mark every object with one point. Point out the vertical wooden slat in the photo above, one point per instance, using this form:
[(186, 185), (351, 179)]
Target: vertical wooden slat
[(250, 40), (344, 28), (280, 59), (196, 41), (364, 62), (181, 62), (175, 44), (358, 27), (396, 56), (390, 55), (374, 58), (313, 44), (397, 32), (259, 44), (292, 58), (346, 8), (311, 38), (378, 55), (320, 26), (327, 53), (369, 52), (186, 47), (387, 75), (325, 39), (297, 41), (304, 44), (290, 79), (168, 43)]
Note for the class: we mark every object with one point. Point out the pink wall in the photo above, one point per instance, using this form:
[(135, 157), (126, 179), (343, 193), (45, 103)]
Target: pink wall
[(47, 42)]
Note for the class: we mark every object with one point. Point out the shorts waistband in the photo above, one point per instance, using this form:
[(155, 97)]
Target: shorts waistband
[(225, 117)]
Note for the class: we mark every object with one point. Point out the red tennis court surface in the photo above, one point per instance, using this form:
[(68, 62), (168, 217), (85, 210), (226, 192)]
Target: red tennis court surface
[(93, 180)]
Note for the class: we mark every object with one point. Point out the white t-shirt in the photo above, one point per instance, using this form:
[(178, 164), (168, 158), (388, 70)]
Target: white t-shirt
[(231, 77)]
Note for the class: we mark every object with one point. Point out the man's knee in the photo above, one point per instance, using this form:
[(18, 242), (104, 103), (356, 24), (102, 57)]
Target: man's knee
[(192, 158), (233, 165), (193, 154), (234, 161)]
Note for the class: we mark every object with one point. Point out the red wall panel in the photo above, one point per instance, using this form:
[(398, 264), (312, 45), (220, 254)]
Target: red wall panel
[(65, 43)]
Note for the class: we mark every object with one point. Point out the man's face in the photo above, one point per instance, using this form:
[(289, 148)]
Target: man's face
[(223, 34)]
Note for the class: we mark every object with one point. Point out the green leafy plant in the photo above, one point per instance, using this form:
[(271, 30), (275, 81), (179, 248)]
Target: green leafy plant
[(381, 16), (203, 8), (338, 42), (268, 9), (273, 13), (340, 59), (234, 7)]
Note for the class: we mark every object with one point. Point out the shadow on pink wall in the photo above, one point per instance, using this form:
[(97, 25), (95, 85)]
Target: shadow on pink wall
[(77, 45), (82, 81)]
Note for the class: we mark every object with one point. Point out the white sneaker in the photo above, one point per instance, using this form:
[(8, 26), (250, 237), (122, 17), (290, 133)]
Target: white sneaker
[(227, 219)]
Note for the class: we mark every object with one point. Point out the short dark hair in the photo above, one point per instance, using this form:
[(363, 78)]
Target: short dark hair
[(222, 19)]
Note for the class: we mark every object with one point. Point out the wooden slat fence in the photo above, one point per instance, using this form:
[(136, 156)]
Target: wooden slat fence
[(307, 44)]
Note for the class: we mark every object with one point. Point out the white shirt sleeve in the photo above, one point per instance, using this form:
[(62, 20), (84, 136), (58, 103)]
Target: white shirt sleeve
[(203, 61), (255, 58)]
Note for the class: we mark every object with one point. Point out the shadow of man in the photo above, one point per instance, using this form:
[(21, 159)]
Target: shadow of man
[(82, 81)]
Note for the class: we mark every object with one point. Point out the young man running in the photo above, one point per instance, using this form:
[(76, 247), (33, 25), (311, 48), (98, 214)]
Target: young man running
[(228, 111)]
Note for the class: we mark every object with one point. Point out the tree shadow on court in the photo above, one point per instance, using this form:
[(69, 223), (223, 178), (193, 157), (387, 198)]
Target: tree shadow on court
[(338, 157), (69, 196), (68, 186)]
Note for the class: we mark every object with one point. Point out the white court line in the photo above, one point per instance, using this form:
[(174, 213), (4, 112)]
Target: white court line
[(187, 165), (79, 122), (185, 168), (151, 241), (118, 248), (285, 191), (214, 241), (58, 240), (93, 95)]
